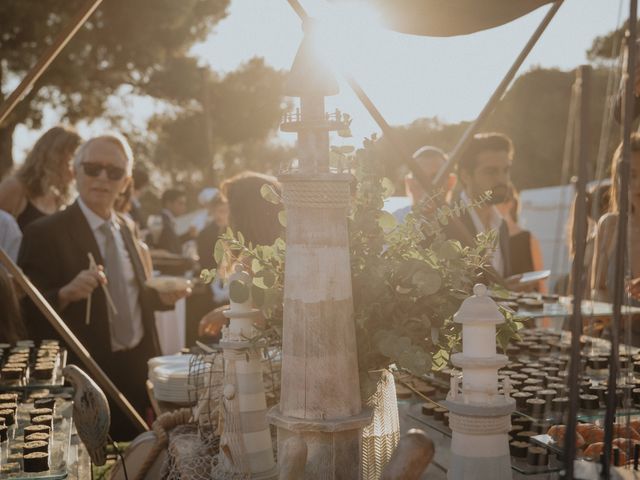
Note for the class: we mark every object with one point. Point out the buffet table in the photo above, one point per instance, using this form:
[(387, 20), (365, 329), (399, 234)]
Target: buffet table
[(418, 398)]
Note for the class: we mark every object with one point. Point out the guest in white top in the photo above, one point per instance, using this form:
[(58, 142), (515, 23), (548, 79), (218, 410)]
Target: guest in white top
[(10, 235)]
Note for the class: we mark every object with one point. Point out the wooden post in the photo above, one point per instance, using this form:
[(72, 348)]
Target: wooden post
[(47, 57), (72, 341)]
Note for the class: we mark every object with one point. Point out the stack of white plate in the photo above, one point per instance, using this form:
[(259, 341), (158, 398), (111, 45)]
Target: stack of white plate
[(170, 378)]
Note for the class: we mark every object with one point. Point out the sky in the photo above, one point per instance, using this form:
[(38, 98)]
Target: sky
[(407, 77)]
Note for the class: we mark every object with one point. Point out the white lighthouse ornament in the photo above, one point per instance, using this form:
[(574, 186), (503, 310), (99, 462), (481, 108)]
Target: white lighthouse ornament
[(246, 438), (479, 416)]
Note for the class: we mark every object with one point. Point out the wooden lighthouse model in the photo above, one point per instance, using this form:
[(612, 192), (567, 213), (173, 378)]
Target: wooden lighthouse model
[(479, 416), (320, 410)]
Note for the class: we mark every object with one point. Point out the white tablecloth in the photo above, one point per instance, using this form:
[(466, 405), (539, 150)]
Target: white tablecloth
[(171, 326)]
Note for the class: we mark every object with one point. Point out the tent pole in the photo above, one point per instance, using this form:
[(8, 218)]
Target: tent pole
[(582, 85), (621, 241), (463, 143), (72, 341), (47, 57)]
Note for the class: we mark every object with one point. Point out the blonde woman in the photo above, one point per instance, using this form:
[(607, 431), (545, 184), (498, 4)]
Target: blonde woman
[(603, 267), (603, 270), (42, 183)]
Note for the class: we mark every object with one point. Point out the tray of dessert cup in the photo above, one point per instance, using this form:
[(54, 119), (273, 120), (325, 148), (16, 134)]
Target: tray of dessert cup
[(36, 440), (24, 366), (526, 458)]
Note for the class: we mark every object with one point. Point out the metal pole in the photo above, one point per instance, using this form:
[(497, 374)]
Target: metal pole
[(621, 241), (460, 148), (47, 57), (582, 85), (72, 341)]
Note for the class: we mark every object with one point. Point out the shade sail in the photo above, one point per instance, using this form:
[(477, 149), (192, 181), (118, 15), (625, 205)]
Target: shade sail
[(445, 18)]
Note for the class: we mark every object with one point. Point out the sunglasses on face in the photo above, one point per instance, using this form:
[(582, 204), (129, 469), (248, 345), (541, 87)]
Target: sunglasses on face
[(94, 170)]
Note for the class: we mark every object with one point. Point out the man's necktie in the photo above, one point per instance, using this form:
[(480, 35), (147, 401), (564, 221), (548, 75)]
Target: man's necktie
[(121, 323)]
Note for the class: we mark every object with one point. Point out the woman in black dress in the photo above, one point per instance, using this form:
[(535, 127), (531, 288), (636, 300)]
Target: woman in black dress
[(524, 249), (41, 185)]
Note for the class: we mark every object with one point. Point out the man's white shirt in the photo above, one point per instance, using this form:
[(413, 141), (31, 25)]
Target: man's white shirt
[(133, 291)]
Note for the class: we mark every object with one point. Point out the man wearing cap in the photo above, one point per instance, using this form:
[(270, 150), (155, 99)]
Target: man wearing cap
[(429, 159)]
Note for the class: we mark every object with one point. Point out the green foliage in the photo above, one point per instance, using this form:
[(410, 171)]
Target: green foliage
[(608, 46), (222, 124), (124, 42), (408, 280), (266, 265)]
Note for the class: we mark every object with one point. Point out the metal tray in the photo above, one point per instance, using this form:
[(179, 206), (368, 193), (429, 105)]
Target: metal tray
[(59, 444), (30, 383), (518, 464)]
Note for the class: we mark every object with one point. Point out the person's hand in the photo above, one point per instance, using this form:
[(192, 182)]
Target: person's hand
[(82, 286), (634, 288), (212, 322), (170, 298), (193, 231)]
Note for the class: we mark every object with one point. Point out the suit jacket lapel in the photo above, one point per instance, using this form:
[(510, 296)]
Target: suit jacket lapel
[(81, 234), (148, 318), (134, 254)]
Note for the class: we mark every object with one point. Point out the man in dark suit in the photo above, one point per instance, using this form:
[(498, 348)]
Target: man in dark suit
[(174, 204), (55, 255), (485, 167)]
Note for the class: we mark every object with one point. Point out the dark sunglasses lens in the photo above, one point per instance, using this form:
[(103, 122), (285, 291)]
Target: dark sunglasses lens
[(115, 173), (92, 169)]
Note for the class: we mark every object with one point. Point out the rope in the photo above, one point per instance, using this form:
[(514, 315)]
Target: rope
[(163, 424), (316, 194)]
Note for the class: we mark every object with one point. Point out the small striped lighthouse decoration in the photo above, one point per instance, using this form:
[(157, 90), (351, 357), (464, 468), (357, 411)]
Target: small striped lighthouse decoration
[(245, 442)]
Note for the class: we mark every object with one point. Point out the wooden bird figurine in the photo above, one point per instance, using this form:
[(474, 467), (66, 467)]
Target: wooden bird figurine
[(91, 413)]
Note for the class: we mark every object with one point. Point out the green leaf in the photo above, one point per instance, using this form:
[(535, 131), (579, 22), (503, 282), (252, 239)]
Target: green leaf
[(258, 281), (387, 221), (207, 276), (266, 251), (258, 296), (386, 346), (269, 278), (218, 251), (427, 283), (270, 194), (282, 218), (387, 187), (238, 291), (240, 237), (450, 250), (256, 266)]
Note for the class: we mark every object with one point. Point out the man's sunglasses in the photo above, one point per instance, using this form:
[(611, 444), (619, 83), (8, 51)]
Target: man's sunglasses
[(94, 169)]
